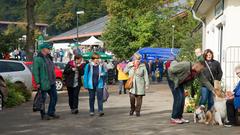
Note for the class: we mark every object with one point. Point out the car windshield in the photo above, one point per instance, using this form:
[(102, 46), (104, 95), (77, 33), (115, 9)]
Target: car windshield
[(29, 66)]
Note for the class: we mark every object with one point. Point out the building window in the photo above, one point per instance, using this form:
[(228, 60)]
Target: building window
[(219, 8)]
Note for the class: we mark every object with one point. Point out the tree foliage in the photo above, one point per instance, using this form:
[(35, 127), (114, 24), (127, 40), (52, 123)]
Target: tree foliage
[(132, 25), (12, 10), (59, 14), (9, 39), (137, 23)]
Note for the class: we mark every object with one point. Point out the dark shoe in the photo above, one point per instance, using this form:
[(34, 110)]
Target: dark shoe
[(45, 117), (55, 116), (228, 124), (131, 113), (120, 92), (138, 114), (74, 111), (100, 114), (125, 92)]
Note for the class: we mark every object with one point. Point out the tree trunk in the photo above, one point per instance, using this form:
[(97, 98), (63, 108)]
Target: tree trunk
[(30, 44)]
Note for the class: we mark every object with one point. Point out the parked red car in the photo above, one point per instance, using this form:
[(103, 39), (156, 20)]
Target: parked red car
[(59, 77)]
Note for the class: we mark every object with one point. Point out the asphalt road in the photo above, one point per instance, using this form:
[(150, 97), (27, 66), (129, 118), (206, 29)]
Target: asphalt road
[(153, 121)]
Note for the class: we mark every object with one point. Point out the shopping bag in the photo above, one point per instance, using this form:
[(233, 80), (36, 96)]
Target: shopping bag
[(105, 93), (38, 103)]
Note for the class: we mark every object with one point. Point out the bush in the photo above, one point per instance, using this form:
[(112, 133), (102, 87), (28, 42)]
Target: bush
[(23, 90), (16, 95)]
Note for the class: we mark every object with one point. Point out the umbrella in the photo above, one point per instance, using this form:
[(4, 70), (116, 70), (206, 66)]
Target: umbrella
[(103, 56)]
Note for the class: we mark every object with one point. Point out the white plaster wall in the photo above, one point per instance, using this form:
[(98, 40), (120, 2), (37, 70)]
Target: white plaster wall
[(231, 37)]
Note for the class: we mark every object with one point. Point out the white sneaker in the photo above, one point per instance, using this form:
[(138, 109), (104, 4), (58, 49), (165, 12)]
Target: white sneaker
[(185, 121), (176, 121), (92, 114)]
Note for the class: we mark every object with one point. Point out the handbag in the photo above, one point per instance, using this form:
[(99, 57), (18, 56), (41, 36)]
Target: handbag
[(157, 73), (38, 103), (129, 83), (105, 93)]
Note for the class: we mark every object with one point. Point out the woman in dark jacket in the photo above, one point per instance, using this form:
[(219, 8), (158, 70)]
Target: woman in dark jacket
[(72, 75), (213, 71)]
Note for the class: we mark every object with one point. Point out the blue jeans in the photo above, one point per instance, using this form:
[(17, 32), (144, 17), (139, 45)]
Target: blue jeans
[(206, 96), (53, 100), (121, 86), (153, 76), (92, 93), (159, 79), (178, 100)]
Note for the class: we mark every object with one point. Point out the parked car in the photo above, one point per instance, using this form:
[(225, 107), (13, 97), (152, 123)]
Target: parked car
[(3, 92), (16, 72), (60, 65), (59, 77)]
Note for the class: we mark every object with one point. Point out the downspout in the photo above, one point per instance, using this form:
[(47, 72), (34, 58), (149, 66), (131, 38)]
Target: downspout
[(203, 28)]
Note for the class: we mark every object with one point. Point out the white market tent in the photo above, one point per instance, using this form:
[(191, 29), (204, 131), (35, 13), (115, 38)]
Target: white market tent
[(92, 41), (61, 45)]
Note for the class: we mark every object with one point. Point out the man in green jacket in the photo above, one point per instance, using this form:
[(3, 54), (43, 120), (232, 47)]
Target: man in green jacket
[(181, 74), (44, 75)]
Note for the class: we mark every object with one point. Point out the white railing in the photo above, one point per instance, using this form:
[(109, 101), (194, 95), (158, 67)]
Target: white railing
[(231, 60)]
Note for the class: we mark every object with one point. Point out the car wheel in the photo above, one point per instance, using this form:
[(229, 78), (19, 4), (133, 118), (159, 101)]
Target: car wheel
[(1, 102), (21, 85), (59, 84)]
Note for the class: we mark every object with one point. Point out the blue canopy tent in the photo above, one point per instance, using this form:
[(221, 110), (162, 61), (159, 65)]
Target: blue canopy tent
[(163, 54)]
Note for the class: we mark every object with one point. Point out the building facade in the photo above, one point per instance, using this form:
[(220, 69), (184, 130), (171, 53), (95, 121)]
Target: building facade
[(221, 34)]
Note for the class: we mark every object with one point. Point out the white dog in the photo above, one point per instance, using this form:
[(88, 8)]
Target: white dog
[(199, 114), (220, 113), (219, 110)]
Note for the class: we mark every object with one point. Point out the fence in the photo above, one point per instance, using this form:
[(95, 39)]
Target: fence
[(232, 59)]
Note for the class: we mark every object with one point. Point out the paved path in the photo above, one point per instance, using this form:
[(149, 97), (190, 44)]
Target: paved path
[(154, 120)]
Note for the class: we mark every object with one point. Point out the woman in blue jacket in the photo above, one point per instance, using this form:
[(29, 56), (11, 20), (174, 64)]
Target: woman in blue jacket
[(233, 103), (94, 81)]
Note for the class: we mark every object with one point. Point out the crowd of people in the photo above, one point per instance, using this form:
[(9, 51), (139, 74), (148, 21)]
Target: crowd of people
[(134, 76), (208, 71), (63, 55), (17, 54)]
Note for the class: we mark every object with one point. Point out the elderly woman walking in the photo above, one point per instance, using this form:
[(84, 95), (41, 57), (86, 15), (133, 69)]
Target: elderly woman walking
[(73, 73), (140, 82), (94, 74)]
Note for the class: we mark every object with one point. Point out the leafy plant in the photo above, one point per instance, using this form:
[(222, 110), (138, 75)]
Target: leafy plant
[(23, 90), (17, 95)]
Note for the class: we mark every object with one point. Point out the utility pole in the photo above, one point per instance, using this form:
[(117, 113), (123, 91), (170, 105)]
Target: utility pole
[(78, 13)]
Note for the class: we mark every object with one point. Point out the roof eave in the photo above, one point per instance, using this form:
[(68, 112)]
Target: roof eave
[(56, 39)]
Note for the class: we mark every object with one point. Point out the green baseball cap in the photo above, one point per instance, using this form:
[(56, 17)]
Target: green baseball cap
[(45, 45)]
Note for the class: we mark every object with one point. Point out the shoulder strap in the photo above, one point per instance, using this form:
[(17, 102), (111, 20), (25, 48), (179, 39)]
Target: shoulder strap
[(89, 67), (191, 67), (210, 70)]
